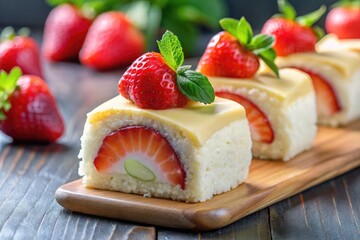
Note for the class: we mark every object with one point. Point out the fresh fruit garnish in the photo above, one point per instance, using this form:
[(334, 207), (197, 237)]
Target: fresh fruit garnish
[(293, 34), (327, 103), (142, 153), (19, 51), (260, 126), (64, 33), (344, 19), (28, 111), (112, 42), (235, 53), (159, 81)]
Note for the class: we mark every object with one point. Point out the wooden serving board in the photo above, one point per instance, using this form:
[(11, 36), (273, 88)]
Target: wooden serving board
[(335, 151)]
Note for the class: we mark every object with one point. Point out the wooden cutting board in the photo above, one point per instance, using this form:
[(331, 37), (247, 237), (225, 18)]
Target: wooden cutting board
[(335, 151)]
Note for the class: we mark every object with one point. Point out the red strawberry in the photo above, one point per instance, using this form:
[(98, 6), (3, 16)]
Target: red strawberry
[(326, 100), (151, 83), (158, 81), (290, 37), (112, 42), (226, 57), (30, 112), (235, 54), (19, 51), (260, 126), (64, 34), (292, 34), (344, 20), (142, 153)]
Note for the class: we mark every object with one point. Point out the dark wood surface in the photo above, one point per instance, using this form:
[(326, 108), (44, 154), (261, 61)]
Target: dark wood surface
[(30, 175)]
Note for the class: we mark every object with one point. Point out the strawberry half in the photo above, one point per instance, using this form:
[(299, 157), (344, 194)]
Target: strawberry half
[(327, 102), (344, 19), (260, 126), (64, 33), (158, 81), (19, 51), (293, 34), (28, 109), (235, 53), (142, 153), (112, 42)]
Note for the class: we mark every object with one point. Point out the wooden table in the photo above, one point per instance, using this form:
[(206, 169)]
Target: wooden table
[(30, 175)]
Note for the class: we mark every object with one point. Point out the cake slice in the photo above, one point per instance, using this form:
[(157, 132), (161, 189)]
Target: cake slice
[(187, 154), (336, 80), (167, 136), (335, 75), (281, 112), (280, 108)]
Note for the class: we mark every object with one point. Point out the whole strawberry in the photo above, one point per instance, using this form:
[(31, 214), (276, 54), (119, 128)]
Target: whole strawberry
[(293, 34), (112, 41), (344, 19), (28, 109), (64, 34), (19, 50), (158, 81), (235, 53)]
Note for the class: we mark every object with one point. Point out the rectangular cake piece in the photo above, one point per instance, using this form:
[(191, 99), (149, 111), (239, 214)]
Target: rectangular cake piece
[(281, 112), (336, 80), (187, 154)]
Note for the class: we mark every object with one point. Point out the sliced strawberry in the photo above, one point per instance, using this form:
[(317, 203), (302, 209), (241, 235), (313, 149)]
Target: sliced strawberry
[(260, 126), (327, 103), (141, 152)]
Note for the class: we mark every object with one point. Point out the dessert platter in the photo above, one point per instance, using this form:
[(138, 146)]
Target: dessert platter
[(201, 149)]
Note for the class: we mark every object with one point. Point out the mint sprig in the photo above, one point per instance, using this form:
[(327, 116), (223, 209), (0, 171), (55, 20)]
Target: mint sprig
[(193, 85), (8, 84), (260, 44), (8, 33), (288, 11)]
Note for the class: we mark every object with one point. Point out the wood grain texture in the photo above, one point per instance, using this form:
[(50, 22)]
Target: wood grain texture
[(334, 152), (30, 175)]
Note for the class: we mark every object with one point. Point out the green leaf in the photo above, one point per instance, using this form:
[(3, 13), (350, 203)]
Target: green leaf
[(319, 32), (8, 33), (309, 19), (287, 9), (171, 50), (244, 31), (261, 42), (230, 25), (268, 57), (196, 86), (183, 69), (8, 84)]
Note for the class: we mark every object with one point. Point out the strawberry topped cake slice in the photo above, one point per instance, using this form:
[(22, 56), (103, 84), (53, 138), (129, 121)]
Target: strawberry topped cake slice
[(280, 106), (166, 135), (335, 75)]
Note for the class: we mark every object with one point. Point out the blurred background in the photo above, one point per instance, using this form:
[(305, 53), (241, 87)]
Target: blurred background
[(32, 14)]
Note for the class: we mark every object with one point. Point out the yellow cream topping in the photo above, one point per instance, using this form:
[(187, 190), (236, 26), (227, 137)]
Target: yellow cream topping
[(344, 62), (198, 121), (332, 43), (291, 85)]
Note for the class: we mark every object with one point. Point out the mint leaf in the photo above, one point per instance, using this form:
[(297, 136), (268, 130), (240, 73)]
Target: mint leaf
[(183, 69), (171, 50), (230, 25), (261, 42), (268, 57), (287, 9), (196, 86), (309, 19), (244, 31)]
